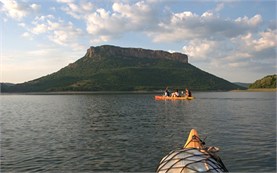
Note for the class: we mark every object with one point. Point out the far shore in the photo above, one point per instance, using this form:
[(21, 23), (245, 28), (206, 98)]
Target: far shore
[(126, 92), (79, 92), (257, 90)]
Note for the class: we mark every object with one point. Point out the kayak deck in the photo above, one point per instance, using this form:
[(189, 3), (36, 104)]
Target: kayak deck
[(193, 140), (192, 157), (173, 98)]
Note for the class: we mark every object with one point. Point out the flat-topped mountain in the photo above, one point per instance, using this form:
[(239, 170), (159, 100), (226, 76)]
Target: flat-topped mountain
[(111, 68), (112, 51)]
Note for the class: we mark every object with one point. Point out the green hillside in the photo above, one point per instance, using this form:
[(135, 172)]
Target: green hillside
[(266, 82), (110, 68)]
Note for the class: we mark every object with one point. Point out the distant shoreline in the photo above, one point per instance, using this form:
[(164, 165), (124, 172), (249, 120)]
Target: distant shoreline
[(257, 90), (160, 92), (79, 92)]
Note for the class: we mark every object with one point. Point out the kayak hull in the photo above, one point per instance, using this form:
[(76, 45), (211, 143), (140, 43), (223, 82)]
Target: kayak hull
[(173, 98), (190, 160), (194, 156)]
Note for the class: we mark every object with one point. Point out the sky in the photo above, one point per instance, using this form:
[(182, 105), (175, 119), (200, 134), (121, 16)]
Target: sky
[(232, 39)]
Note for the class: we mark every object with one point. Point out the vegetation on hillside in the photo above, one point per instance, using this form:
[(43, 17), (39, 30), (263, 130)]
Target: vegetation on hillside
[(108, 72), (266, 82)]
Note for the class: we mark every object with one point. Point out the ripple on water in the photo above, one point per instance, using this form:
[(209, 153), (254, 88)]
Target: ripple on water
[(132, 132)]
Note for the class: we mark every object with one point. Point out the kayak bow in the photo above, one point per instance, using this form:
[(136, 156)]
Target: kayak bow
[(193, 140)]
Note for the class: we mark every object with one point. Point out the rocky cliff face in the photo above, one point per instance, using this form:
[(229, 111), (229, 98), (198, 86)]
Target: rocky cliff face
[(135, 52)]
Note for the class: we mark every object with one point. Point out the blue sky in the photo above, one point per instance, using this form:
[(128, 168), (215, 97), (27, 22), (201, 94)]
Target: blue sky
[(234, 40)]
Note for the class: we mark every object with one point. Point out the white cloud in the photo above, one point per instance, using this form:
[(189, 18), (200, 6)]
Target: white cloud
[(64, 34), (53, 25), (65, 1), (187, 26), (27, 35), (86, 6), (14, 9), (18, 9), (200, 49), (42, 18), (138, 13), (267, 40), (56, 30), (124, 17), (254, 21), (252, 51), (257, 43), (102, 22), (78, 11), (35, 7), (40, 28)]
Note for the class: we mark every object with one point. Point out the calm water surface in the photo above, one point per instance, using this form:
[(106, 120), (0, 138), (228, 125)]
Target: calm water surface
[(132, 132)]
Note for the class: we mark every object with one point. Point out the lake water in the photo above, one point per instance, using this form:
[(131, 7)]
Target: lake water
[(132, 132)]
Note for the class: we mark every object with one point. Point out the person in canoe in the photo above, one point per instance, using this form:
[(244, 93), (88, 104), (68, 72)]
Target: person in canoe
[(166, 92), (188, 93), (175, 94)]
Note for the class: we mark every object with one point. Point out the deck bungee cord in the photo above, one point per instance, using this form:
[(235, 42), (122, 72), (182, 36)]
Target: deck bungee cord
[(193, 157)]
